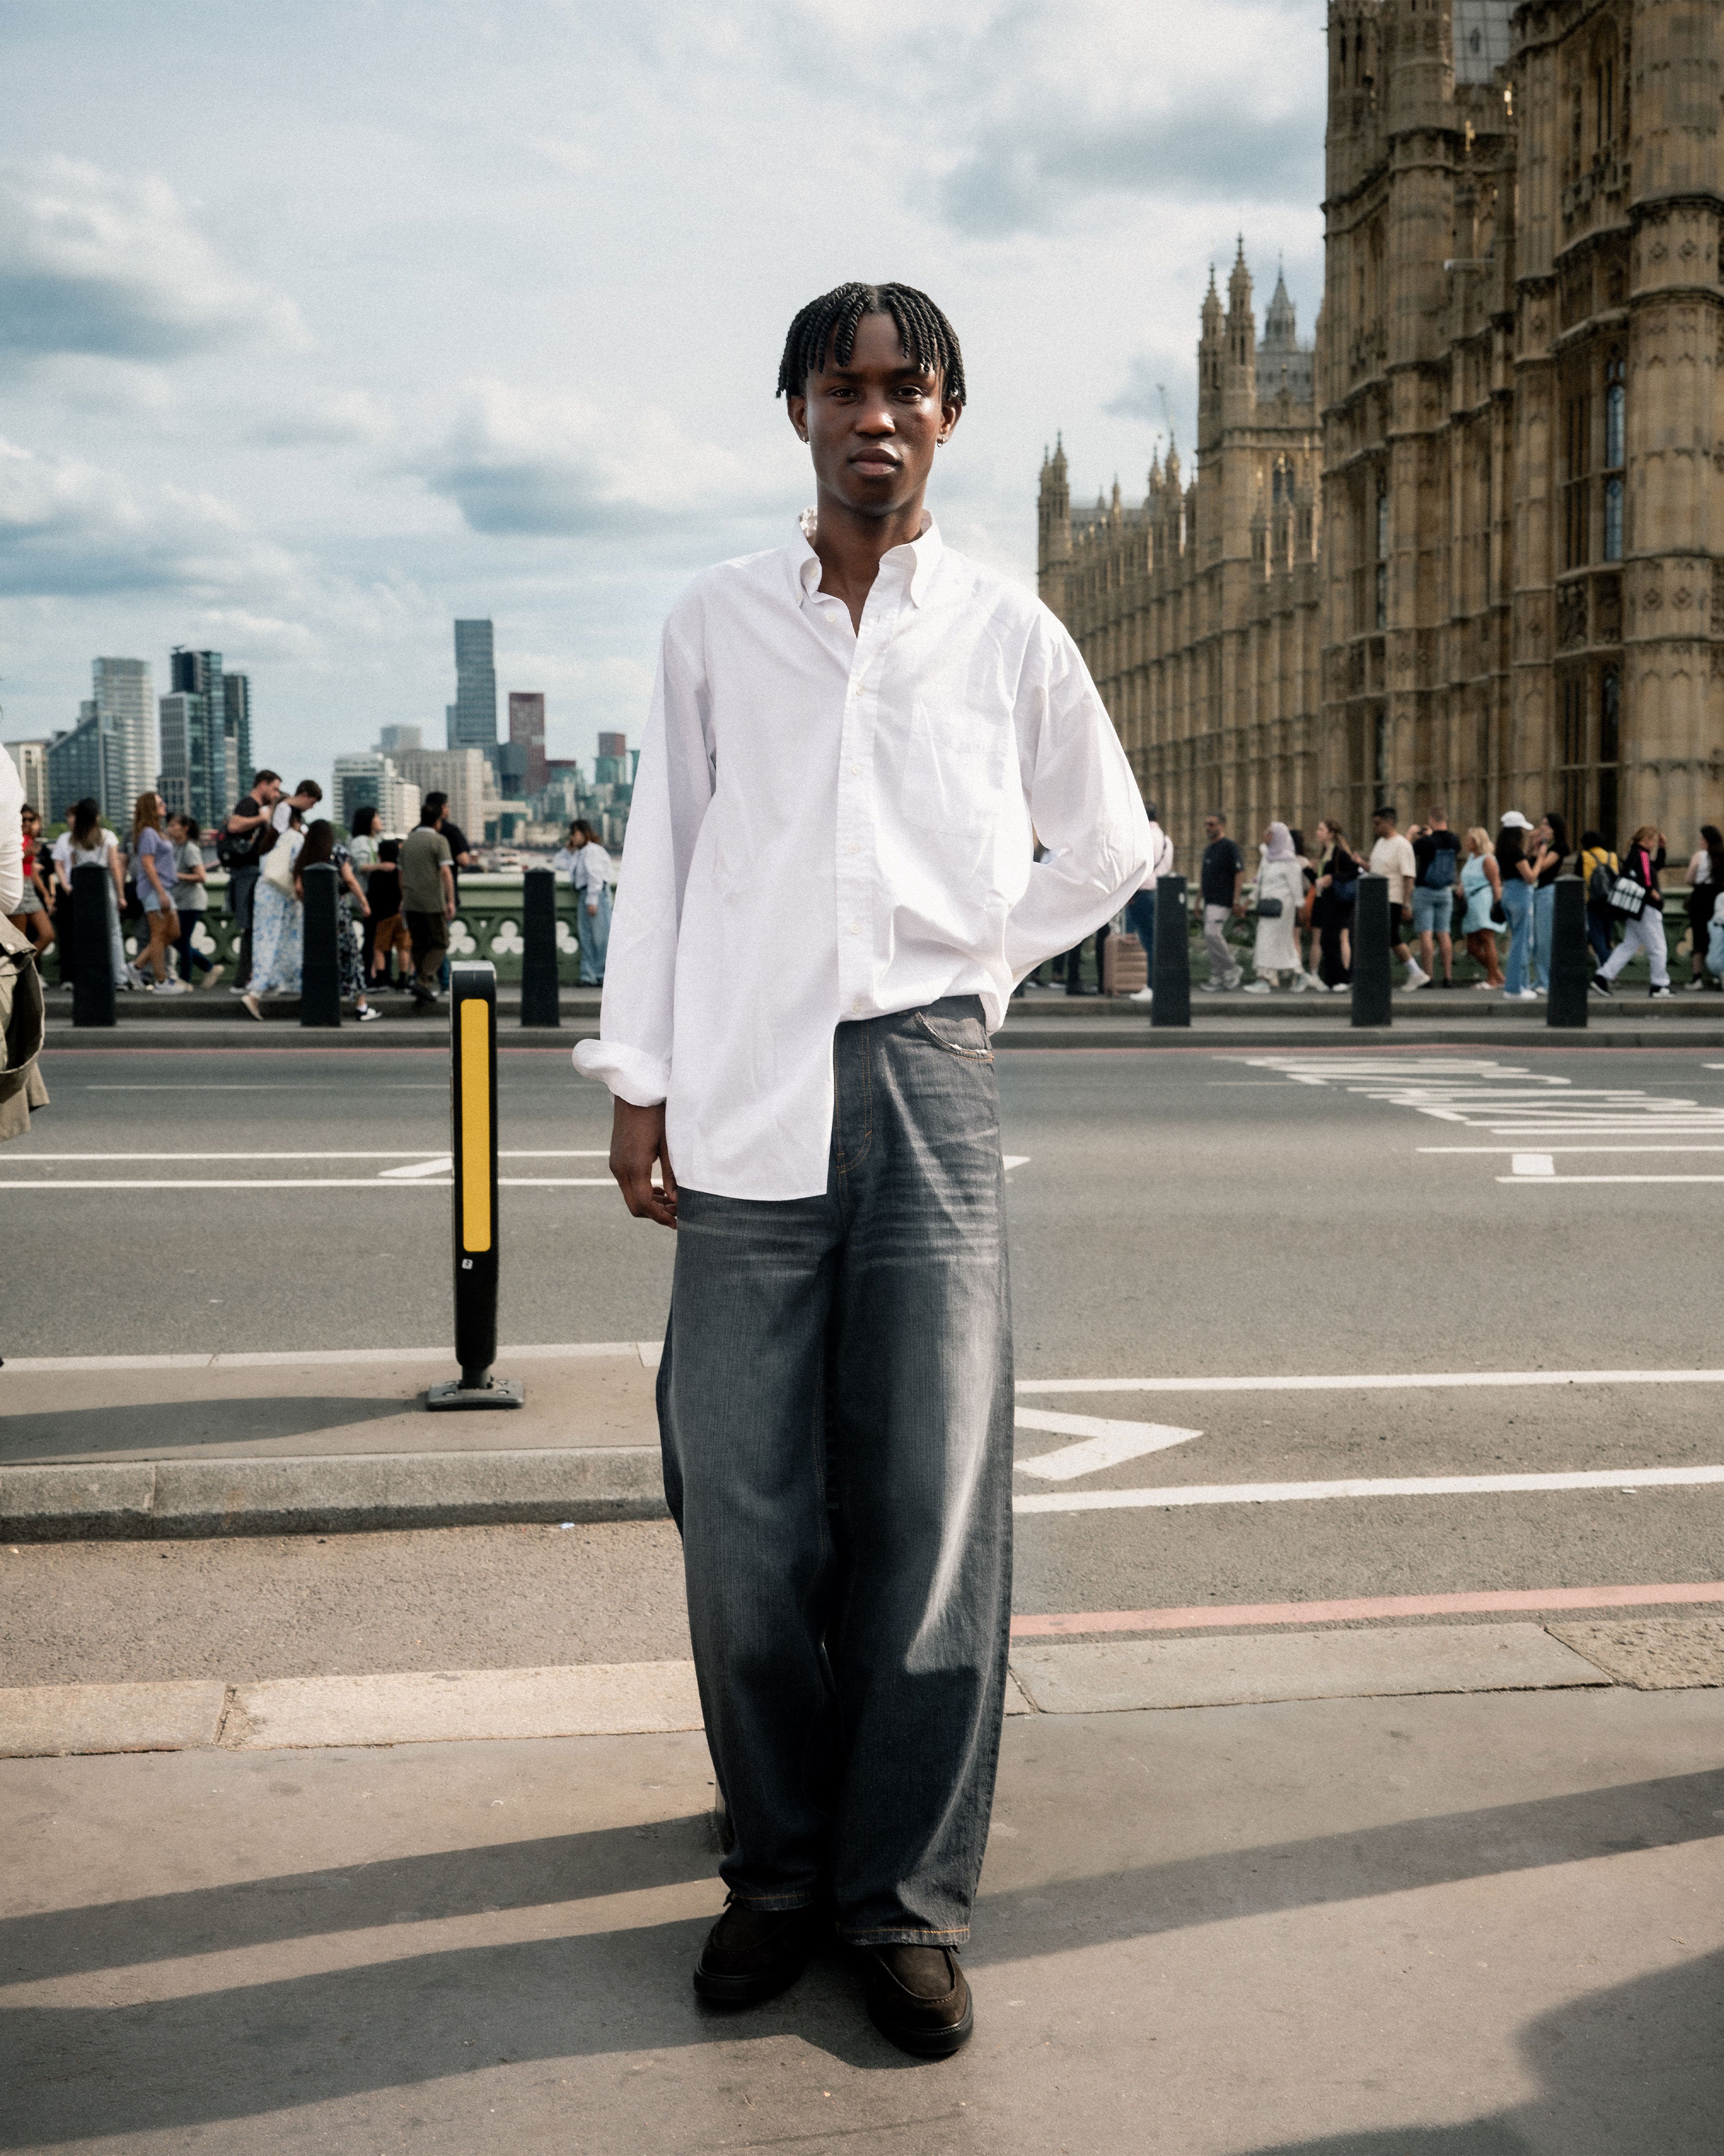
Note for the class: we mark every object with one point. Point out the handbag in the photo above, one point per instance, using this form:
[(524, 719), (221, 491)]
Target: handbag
[(1628, 898), (279, 865), (1269, 909), (1499, 919)]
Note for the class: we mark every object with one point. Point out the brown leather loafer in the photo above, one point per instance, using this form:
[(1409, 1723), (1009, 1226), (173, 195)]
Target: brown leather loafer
[(752, 1954), (919, 2001)]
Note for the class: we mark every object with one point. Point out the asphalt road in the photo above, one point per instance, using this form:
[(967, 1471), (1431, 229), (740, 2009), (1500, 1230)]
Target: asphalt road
[(1176, 1215)]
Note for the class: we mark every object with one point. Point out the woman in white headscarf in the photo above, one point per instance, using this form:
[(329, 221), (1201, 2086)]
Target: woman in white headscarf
[(1280, 891)]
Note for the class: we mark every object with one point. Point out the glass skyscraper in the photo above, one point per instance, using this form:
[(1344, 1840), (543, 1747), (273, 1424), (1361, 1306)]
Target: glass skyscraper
[(473, 715)]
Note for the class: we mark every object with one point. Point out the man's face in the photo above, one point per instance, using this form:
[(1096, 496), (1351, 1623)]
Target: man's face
[(873, 426), (1213, 828), (269, 792), (1383, 826)]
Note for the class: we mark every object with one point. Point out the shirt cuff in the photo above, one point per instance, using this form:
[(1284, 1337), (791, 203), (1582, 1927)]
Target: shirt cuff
[(642, 1081)]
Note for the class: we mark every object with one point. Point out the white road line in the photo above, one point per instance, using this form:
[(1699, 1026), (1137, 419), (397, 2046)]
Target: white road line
[(1553, 1177), (1410, 1486), (1493, 1151), (419, 1153), (1522, 1163), (1016, 1160), (1107, 1443), (1414, 1381), (308, 1182), (414, 1169), (646, 1352)]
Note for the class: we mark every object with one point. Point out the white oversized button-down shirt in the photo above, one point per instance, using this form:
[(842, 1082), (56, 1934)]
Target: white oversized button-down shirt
[(829, 825)]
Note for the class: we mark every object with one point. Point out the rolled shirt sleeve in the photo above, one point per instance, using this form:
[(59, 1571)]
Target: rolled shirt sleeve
[(1083, 802), (12, 836), (673, 791)]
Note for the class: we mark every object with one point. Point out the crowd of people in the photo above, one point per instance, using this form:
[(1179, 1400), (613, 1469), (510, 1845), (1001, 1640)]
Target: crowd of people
[(1291, 914)]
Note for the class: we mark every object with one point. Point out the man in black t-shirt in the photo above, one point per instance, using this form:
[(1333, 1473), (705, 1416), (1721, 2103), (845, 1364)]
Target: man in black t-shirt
[(1221, 879), (1436, 852), (241, 837)]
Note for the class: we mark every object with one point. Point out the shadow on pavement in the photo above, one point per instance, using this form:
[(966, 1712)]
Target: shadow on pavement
[(260, 2047), (1634, 2071), (159, 1428)]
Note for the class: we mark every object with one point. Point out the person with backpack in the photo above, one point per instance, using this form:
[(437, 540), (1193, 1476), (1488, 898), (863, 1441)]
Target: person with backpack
[(1599, 870), (1638, 902), (1436, 854), (1705, 886), (240, 845)]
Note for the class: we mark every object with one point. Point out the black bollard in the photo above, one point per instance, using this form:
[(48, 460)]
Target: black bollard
[(93, 983), (1170, 979), (1570, 955), (320, 964), (539, 1000), (1371, 950), (472, 1149)]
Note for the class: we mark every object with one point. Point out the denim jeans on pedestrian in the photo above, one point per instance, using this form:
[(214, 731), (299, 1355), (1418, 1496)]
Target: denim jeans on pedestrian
[(1517, 905), (1140, 922), (242, 907), (1598, 931), (836, 1406), (1544, 924)]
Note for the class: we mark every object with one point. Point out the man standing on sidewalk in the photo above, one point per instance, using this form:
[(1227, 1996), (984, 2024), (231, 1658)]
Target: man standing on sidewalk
[(1436, 854), (237, 850), (427, 895), (828, 894), (1391, 856), (1140, 909), (1221, 880)]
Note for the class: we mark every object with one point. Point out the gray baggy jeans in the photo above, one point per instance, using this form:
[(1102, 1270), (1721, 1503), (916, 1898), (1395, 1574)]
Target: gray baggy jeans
[(835, 1405)]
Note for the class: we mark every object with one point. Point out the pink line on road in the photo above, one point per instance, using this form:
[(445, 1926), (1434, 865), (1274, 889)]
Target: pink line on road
[(1379, 1605)]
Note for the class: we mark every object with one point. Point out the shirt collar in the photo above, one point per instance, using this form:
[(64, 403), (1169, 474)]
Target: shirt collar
[(919, 558)]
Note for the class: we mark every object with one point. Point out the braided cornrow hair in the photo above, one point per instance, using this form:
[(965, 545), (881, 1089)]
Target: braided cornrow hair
[(928, 339)]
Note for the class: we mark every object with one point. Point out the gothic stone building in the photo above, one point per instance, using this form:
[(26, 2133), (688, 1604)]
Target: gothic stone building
[(1485, 560)]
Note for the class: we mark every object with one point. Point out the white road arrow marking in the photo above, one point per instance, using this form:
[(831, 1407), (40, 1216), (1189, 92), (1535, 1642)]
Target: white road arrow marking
[(417, 1169), (1017, 1160), (1105, 1443)]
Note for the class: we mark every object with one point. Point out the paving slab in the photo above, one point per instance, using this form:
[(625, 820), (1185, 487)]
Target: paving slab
[(52, 1721), (1114, 1677), (1654, 1654), (1478, 1925), (436, 1706)]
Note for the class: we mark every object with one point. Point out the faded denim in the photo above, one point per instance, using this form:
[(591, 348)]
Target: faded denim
[(835, 1404)]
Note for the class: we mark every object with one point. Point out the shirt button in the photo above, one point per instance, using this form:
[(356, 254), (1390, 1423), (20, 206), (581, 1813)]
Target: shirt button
[(853, 848), (855, 771), (855, 928)]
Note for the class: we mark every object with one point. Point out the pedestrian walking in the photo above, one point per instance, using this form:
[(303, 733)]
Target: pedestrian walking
[(1140, 907), (154, 872), (1336, 894), (22, 1089), (829, 894), (1280, 892), (1221, 886), (1436, 856), (1638, 902), (322, 847), (388, 924), (1705, 886), (190, 899), (241, 844), (1481, 888), (1599, 868), (1391, 856), (587, 867), (278, 946), (362, 842), (1550, 854), (1514, 866), (428, 897), (87, 842), (32, 913)]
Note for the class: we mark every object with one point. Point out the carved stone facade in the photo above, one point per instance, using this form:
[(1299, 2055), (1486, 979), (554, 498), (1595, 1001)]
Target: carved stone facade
[(1508, 590)]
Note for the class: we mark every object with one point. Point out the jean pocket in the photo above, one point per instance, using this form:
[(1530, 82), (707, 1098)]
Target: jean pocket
[(965, 1038)]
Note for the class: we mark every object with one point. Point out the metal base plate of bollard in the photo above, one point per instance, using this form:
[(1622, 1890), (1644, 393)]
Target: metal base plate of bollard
[(494, 1392)]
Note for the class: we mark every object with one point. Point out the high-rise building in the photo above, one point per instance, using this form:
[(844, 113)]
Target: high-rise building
[(121, 692), (459, 773), (87, 762), (206, 737), (526, 730), (393, 739), (31, 759), (610, 768), (473, 715), (369, 776)]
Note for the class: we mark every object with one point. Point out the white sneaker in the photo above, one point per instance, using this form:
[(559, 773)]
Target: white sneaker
[(134, 978), (169, 988), (1141, 996), (1301, 982), (1519, 996), (1257, 987), (1234, 978), (1417, 978)]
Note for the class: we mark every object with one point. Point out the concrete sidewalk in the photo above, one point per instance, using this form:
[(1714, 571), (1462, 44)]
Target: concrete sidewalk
[(1480, 1924)]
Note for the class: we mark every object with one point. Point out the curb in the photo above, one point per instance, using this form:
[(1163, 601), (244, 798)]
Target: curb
[(155, 1500)]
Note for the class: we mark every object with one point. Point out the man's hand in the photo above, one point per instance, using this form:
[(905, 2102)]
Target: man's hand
[(636, 1140)]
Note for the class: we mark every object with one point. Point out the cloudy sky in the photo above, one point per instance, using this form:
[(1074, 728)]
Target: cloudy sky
[(322, 324)]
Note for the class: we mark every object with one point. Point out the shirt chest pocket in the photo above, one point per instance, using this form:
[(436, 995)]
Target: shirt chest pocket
[(950, 780)]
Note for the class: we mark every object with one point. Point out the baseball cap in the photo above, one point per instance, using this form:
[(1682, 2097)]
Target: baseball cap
[(1513, 820)]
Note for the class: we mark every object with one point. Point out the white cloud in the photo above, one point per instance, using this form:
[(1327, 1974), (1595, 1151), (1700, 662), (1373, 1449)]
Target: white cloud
[(92, 263), (528, 461), (347, 416)]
